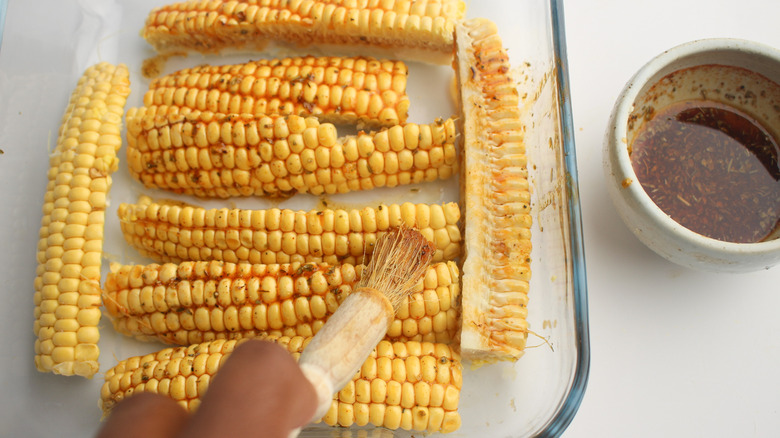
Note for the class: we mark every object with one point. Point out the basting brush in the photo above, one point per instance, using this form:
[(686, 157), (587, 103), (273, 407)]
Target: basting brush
[(341, 346)]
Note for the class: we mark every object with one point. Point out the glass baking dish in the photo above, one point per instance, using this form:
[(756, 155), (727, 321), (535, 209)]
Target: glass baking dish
[(44, 50)]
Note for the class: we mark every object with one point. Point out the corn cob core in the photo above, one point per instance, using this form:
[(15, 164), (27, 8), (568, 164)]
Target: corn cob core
[(496, 267), (67, 283), (193, 302), (215, 155), (174, 233), (402, 385), (419, 29), (335, 89)]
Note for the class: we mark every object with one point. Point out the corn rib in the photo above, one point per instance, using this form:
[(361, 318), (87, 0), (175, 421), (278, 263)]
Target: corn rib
[(402, 385), (415, 29), (67, 284), (496, 196), (335, 89), (193, 302), (170, 233), (212, 155)]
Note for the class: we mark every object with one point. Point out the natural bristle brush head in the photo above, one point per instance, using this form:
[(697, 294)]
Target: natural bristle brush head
[(398, 262)]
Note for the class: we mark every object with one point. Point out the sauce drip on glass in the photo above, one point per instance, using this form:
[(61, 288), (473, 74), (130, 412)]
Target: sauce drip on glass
[(711, 168)]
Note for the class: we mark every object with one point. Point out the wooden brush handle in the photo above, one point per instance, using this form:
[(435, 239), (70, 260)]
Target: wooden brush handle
[(339, 349)]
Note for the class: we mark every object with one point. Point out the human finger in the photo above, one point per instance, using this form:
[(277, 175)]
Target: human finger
[(145, 415), (259, 391)]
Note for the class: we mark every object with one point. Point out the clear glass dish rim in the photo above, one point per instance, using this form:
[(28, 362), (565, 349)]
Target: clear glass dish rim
[(571, 404), (3, 8)]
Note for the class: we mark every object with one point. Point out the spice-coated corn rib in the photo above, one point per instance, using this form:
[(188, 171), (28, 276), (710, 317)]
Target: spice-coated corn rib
[(193, 302), (414, 29), (339, 90), (173, 233), (214, 155), (496, 196), (67, 283), (402, 385)]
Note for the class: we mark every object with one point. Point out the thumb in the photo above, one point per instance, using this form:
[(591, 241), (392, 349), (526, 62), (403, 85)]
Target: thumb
[(259, 391)]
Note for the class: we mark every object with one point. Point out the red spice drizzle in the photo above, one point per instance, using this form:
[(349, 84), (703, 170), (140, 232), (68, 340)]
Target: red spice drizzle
[(711, 168)]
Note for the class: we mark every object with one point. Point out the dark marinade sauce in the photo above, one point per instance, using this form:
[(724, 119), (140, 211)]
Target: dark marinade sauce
[(711, 168)]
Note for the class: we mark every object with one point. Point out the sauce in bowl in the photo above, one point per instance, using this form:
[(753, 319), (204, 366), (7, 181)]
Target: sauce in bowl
[(711, 168)]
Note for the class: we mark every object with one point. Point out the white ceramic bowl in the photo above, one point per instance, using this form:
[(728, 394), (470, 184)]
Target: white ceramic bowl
[(645, 219)]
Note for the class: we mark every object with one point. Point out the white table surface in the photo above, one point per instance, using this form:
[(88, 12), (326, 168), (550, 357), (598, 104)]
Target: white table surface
[(674, 352)]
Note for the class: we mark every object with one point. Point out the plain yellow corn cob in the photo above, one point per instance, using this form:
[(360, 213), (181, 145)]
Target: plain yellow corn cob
[(496, 195), (193, 302), (417, 29), (67, 283), (212, 155), (341, 90), (402, 385), (168, 232)]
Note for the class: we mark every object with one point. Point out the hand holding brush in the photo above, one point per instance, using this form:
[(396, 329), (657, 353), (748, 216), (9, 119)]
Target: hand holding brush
[(260, 391)]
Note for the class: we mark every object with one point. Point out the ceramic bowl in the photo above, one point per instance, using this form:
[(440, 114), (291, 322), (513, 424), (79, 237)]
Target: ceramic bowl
[(645, 93)]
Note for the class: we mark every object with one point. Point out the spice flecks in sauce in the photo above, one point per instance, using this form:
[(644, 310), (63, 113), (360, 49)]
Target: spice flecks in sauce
[(711, 168)]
